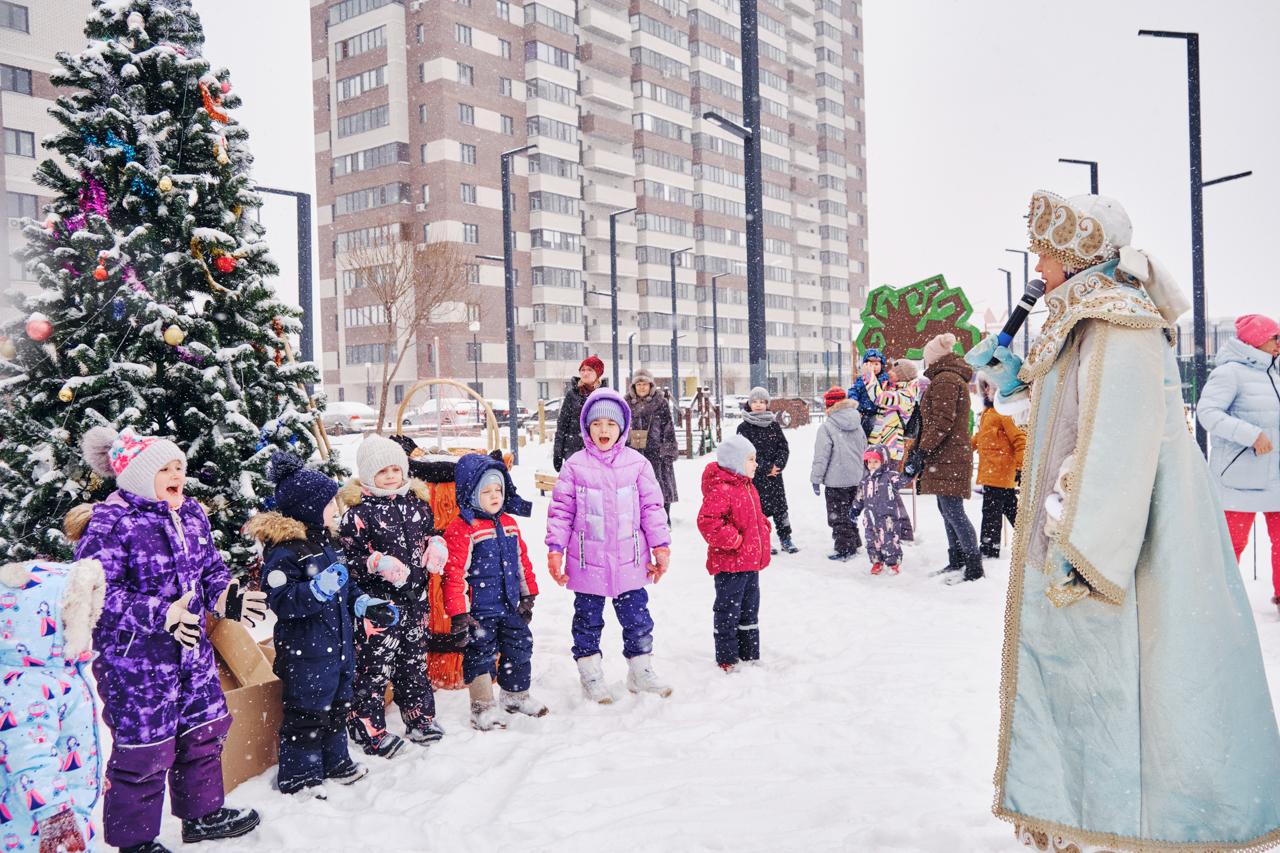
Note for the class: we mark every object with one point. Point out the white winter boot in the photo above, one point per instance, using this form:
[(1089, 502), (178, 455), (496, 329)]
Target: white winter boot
[(521, 703), (484, 713), (591, 671), (642, 679)]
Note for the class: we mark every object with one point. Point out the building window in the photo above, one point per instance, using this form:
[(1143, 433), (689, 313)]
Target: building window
[(462, 33), (422, 113), (474, 353), (367, 81), (421, 32), (466, 114), (504, 47), (426, 232), (467, 153), (369, 353), (13, 16), (504, 86), (473, 277), (399, 394), (504, 10), (20, 143), (348, 9), (508, 125), (364, 121), (473, 313), (470, 234), (426, 194), (363, 43), (23, 204), (544, 390), (371, 158), (466, 75), (468, 193), (14, 79), (371, 197)]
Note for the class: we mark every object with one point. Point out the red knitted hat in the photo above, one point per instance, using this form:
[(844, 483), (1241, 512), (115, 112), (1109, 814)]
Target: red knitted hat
[(833, 396), (1255, 329), (593, 362)]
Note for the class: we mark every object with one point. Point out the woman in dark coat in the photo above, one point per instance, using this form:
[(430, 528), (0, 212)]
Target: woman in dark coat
[(761, 428), (653, 433), (568, 439), (945, 412)]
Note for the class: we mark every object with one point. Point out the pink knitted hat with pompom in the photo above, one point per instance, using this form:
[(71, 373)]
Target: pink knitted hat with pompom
[(132, 459), (1255, 329)]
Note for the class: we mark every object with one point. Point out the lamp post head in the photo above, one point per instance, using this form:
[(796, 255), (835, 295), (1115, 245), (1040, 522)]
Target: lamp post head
[(618, 213)]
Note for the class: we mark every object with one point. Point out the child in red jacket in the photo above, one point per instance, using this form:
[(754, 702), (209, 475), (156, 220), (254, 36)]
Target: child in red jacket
[(737, 534)]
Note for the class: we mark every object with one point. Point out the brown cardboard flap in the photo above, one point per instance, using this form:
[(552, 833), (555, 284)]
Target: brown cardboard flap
[(253, 743), (243, 657)]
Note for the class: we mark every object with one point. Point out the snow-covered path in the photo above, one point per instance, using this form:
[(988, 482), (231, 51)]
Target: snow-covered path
[(870, 726)]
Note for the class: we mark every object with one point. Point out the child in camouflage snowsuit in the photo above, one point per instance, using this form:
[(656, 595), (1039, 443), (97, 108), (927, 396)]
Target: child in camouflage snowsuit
[(155, 670), (885, 517), (388, 538), (50, 771)]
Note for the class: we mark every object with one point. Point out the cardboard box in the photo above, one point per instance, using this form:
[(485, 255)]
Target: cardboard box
[(254, 697)]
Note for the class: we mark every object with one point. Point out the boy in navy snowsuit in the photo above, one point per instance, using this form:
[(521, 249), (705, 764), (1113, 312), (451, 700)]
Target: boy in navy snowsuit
[(487, 553), (315, 601)]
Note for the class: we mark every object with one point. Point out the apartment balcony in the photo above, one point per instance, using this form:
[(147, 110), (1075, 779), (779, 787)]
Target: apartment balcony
[(808, 238), (608, 162), (606, 22), (599, 89), (598, 264), (609, 196), (804, 160)]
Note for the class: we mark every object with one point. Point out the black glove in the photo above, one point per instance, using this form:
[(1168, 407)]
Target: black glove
[(382, 614), (248, 606), (525, 608), (461, 626), (497, 456)]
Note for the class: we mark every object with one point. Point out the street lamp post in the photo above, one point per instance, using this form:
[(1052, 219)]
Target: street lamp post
[(839, 362), (305, 296), (1093, 171), (715, 334), (1026, 278), (757, 343), (613, 285), (474, 328), (508, 264), (631, 354), (675, 325), (1198, 184), (1008, 291)]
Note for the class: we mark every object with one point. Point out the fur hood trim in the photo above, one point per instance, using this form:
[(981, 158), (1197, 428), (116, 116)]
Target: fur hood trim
[(272, 528), (352, 492)]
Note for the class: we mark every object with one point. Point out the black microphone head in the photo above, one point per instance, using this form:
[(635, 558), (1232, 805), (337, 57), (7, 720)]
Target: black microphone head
[(1035, 288)]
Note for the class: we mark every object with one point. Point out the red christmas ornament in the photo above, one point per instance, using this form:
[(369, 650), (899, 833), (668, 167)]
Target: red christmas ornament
[(226, 87), (225, 263), (39, 328), (100, 273)]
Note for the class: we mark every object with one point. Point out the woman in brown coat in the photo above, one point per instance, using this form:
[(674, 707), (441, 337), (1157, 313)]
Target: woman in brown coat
[(653, 433), (948, 454), (1000, 445)]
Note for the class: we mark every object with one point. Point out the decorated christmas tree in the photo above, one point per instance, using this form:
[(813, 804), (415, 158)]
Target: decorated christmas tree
[(154, 309)]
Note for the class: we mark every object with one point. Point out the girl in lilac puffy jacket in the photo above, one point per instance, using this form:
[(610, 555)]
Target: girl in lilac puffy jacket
[(607, 537)]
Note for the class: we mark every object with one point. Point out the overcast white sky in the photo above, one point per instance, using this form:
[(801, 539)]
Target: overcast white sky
[(969, 105)]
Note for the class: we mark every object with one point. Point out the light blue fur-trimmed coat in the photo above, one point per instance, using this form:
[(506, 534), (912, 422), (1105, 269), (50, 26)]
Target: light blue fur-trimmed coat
[(1135, 713), (1240, 402)]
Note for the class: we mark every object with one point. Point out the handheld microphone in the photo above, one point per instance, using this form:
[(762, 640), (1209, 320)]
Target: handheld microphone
[(1035, 289)]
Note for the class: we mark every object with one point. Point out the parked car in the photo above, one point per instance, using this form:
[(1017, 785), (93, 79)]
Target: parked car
[(501, 411), (343, 416)]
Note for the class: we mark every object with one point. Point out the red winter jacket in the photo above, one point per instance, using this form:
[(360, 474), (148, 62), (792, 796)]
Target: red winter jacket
[(732, 522), (494, 569)]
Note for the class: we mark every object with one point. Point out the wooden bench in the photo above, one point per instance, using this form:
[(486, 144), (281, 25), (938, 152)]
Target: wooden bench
[(545, 482)]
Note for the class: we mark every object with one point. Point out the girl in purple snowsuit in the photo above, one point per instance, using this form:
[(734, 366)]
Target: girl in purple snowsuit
[(155, 671), (885, 518), (605, 521)]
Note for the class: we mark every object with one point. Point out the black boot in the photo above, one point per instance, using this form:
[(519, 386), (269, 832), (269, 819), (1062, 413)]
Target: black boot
[(788, 545), (148, 847), (224, 823), (972, 570), (954, 563)]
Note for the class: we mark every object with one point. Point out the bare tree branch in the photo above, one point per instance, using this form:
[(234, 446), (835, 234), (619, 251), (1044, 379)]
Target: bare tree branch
[(409, 283)]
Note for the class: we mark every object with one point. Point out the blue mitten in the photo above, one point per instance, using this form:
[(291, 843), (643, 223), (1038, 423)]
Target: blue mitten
[(329, 583), (380, 612), (817, 489), (1004, 374)]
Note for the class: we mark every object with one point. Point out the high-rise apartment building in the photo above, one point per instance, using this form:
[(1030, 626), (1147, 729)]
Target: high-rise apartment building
[(31, 33), (416, 99)]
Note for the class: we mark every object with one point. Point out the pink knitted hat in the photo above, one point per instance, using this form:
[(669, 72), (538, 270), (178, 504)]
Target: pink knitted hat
[(1255, 329), (132, 459)]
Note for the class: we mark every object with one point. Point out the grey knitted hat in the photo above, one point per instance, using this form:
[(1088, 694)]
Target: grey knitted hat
[(758, 393), (733, 452), (377, 452)]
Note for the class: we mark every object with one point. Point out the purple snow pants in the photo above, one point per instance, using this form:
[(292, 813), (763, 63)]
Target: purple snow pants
[(132, 808)]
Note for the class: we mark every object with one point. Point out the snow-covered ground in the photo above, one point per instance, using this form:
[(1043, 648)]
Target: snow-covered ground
[(870, 726)]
